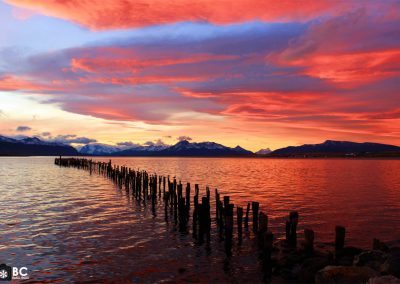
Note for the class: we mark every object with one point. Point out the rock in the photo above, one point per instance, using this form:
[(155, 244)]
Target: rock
[(392, 264), (371, 258), (345, 274), (310, 267), (345, 256), (387, 279), (378, 245)]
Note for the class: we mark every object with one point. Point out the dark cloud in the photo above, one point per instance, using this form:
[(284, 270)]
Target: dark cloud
[(183, 138), (23, 128), (46, 134), (127, 144), (71, 138), (158, 142)]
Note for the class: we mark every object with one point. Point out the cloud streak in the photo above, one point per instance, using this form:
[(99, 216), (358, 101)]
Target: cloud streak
[(133, 13), (327, 66)]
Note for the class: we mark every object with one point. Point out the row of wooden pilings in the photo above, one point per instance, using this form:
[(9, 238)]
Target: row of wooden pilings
[(151, 188)]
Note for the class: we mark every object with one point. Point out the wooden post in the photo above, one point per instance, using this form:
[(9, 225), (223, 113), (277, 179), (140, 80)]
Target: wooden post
[(293, 220), (254, 208), (268, 240), (228, 228), (188, 198), (246, 219), (195, 215), (239, 223), (226, 200), (340, 233), (217, 206), (308, 241)]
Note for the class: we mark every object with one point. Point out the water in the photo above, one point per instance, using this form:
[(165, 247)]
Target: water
[(68, 226)]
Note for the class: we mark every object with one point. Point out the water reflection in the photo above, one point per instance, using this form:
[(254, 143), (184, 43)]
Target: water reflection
[(64, 224)]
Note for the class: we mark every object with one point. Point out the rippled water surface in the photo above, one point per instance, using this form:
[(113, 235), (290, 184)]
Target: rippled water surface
[(66, 225)]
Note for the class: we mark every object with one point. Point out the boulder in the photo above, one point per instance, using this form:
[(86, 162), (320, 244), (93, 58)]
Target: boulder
[(387, 279), (392, 264), (346, 255), (371, 258), (345, 274), (310, 267)]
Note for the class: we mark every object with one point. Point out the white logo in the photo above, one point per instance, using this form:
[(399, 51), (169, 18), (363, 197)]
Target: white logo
[(20, 273), (3, 274)]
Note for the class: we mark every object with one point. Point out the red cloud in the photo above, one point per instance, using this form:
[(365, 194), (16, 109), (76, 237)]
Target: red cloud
[(14, 83), (124, 64), (100, 15)]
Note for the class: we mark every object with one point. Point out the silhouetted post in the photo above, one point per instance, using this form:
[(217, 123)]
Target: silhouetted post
[(262, 228), (246, 219), (217, 206), (268, 240), (239, 223), (309, 241), (228, 228), (254, 208), (293, 220), (182, 214), (206, 216), (188, 198), (340, 233), (226, 200), (195, 214)]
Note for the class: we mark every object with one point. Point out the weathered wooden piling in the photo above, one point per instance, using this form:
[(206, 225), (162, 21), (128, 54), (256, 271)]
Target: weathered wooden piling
[(340, 233), (254, 208), (246, 219), (144, 186), (308, 241), (228, 210), (291, 228), (188, 198), (239, 218)]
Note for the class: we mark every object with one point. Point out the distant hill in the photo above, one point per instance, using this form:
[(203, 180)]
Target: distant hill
[(185, 148), (182, 148), (330, 147), (33, 147), (264, 151), (98, 149)]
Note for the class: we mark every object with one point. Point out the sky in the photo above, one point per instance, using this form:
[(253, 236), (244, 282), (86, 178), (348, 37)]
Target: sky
[(255, 73)]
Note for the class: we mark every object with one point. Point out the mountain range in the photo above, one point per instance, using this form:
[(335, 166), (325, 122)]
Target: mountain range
[(182, 148), (33, 146), (338, 148)]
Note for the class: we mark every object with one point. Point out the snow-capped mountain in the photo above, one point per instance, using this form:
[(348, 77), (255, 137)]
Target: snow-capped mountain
[(142, 150), (99, 149), (33, 146), (7, 139), (342, 147), (185, 148), (264, 151), (182, 148)]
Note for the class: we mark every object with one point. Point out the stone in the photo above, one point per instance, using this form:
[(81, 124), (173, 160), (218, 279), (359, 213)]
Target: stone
[(310, 267), (392, 264), (345, 274), (345, 256), (371, 258), (387, 279)]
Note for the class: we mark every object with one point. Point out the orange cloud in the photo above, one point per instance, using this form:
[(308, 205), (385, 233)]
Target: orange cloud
[(101, 15), (357, 67), (107, 64), (13, 83)]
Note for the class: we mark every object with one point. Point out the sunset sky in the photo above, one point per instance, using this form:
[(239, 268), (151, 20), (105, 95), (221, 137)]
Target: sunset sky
[(258, 73)]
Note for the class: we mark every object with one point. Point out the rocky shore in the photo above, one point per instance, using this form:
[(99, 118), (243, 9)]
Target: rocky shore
[(324, 264)]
